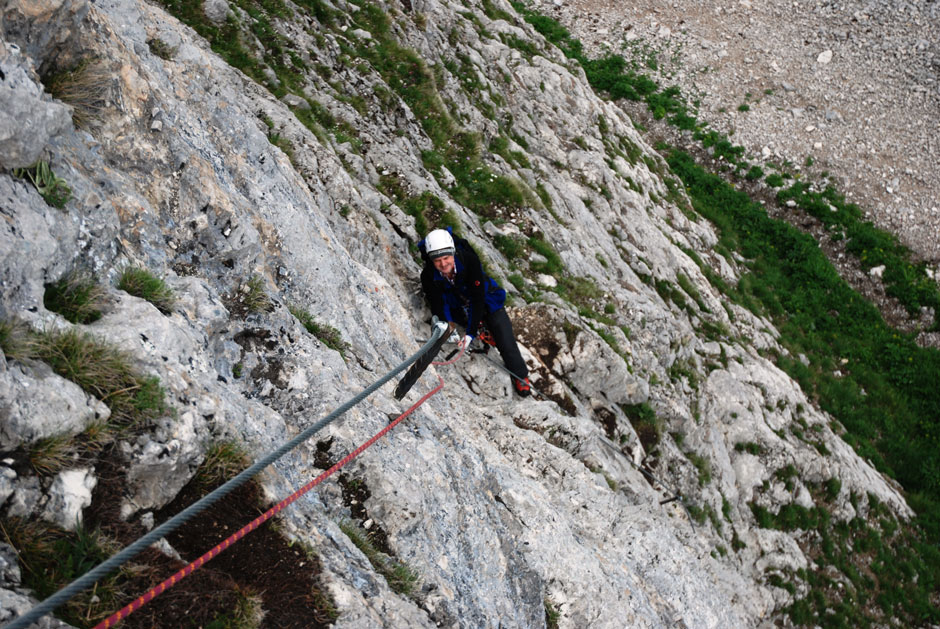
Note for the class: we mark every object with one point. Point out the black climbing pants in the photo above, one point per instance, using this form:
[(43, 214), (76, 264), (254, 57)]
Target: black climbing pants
[(500, 327)]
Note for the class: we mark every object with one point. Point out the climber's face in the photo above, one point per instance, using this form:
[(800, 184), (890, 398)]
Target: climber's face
[(444, 265)]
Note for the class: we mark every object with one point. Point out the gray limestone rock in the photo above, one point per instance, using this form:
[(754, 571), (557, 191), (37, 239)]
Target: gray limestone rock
[(69, 493), (27, 119), (35, 404), (498, 503), (43, 29), (217, 11)]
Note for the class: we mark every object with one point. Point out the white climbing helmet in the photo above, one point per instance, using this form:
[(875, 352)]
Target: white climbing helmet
[(439, 243)]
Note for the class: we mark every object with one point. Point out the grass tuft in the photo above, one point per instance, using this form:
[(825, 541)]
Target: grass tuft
[(51, 455), (551, 614), (142, 283), (224, 460), (400, 577), (15, 341), (85, 87), (77, 296), (254, 297), (51, 557), (328, 335), (104, 372)]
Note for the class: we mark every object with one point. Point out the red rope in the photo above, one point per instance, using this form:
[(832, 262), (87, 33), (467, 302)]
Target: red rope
[(192, 567), (463, 347)]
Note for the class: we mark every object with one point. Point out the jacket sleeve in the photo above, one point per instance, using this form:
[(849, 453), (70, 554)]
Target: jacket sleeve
[(432, 294), (476, 282)]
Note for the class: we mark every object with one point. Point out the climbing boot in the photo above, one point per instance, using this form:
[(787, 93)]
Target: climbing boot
[(523, 388)]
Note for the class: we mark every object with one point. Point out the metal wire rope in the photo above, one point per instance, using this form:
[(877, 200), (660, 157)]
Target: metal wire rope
[(89, 578), (155, 591)]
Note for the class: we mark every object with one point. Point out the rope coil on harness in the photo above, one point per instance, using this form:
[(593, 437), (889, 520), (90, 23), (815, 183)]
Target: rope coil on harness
[(103, 569)]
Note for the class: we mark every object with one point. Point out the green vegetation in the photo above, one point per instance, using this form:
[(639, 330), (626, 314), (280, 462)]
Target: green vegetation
[(328, 335), (896, 582), (648, 427), (254, 298), (247, 612), (142, 283), (400, 577), (903, 280), (161, 49), (754, 173), (14, 340), (224, 460), (51, 557), (615, 76), (104, 372), (427, 209), (51, 455), (702, 465), (53, 189), (77, 296), (553, 264), (406, 74), (749, 446), (85, 88), (551, 614), (101, 371), (510, 247), (883, 396)]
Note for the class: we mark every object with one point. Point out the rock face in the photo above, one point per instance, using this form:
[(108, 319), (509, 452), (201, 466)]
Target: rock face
[(27, 120), (499, 504)]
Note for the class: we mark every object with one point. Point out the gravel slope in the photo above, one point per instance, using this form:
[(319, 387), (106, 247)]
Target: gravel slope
[(854, 85)]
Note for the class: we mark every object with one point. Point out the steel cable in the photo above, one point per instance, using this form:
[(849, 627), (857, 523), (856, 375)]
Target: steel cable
[(89, 578)]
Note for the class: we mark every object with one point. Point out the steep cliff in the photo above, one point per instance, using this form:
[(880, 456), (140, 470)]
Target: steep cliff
[(293, 188)]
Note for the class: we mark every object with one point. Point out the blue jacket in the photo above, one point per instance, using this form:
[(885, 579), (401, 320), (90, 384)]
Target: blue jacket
[(470, 297)]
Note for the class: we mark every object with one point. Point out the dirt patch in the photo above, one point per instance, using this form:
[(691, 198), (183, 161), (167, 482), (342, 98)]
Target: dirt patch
[(262, 564)]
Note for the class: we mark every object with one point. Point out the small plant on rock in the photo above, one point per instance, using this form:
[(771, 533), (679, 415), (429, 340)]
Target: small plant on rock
[(551, 614), (255, 299), (161, 49), (224, 460), (400, 577), (328, 335), (77, 296), (85, 87), (50, 455), (142, 283), (104, 372), (14, 340), (53, 189), (51, 558)]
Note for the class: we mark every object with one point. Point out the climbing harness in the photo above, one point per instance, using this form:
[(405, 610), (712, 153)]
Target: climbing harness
[(109, 565)]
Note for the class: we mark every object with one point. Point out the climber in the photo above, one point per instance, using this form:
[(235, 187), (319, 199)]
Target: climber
[(457, 290)]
